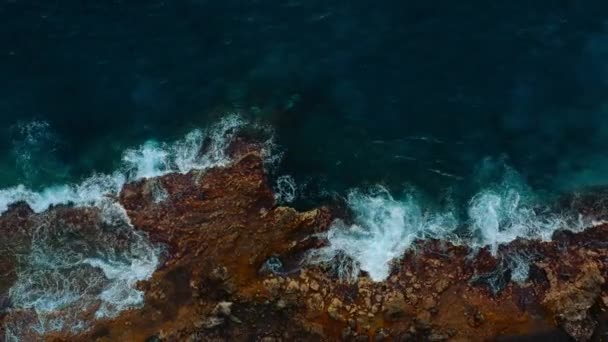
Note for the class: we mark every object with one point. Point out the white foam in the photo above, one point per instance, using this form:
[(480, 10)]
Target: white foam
[(519, 264), (285, 189), (69, 271), (384, 228), (509, 209), (501, 217), (151, 159), (154, 159), (68, 275), (89, 192), (123, 275)]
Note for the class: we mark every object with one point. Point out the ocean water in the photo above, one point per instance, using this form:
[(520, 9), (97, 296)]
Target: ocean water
[(425, 119)]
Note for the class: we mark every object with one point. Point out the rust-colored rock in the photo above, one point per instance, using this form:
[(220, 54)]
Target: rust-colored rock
[(231, 272), (571, 301)]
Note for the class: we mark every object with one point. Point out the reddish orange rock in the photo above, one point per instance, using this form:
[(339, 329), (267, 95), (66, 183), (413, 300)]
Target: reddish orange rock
[(231, 271)]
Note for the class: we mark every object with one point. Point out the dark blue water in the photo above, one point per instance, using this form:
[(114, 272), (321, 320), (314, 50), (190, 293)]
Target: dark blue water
[(415, 93)]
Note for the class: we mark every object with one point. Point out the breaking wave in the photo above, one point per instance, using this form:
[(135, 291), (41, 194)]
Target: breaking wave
[(384, 227), (72, 269), (151, 159)]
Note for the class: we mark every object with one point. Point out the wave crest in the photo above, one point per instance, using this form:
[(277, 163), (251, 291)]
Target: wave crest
[(75, 269), (384, 228), (199, 149)]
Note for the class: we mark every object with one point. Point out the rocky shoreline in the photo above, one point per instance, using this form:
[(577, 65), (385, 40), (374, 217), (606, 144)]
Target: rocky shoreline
[(216, 283)]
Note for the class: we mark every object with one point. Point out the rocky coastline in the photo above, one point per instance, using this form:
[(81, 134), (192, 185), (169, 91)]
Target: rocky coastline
[(231, 271)]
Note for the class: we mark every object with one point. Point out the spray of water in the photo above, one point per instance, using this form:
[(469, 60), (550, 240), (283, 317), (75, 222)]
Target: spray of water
[(72, 269), (383, 227), (151, 159)]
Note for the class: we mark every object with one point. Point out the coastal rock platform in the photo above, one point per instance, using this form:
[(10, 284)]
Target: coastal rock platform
[(233, 270)]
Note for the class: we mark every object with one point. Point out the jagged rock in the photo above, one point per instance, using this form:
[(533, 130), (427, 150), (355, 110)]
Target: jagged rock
[(352, 324), (222, 309), (423, 321), (429, 303), (347, 334), (395, 306), (571, 301), (442, 285), (220, 227), (292, 286), (476, 319), (381, 335), (333, 310), (315, 305), (272, 285)]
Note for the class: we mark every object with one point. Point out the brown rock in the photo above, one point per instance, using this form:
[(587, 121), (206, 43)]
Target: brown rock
[(436, 337), (423, 321), (394, 306), (429, 303), (334, 309), (441, 285), (272, 285), (571, 301), (315, 305), (219, 227), (270, 339), (347, 334), (292, 286)]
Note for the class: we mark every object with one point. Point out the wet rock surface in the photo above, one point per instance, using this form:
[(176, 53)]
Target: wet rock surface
[(219, 230)]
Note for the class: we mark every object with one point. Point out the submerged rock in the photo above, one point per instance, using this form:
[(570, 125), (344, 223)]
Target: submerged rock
[(221, 228)]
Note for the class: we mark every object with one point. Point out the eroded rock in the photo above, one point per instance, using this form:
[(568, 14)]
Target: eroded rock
[(221, 227)]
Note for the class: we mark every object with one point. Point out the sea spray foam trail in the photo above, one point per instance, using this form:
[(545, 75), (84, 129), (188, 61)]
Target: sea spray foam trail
[(508, 209), (71, 267), (199, 149), (384, 227), (90, 265)]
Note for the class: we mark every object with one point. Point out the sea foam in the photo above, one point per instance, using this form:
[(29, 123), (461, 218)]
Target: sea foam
[(71, 270), (383, 228), (151, 159), (68, 272)]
